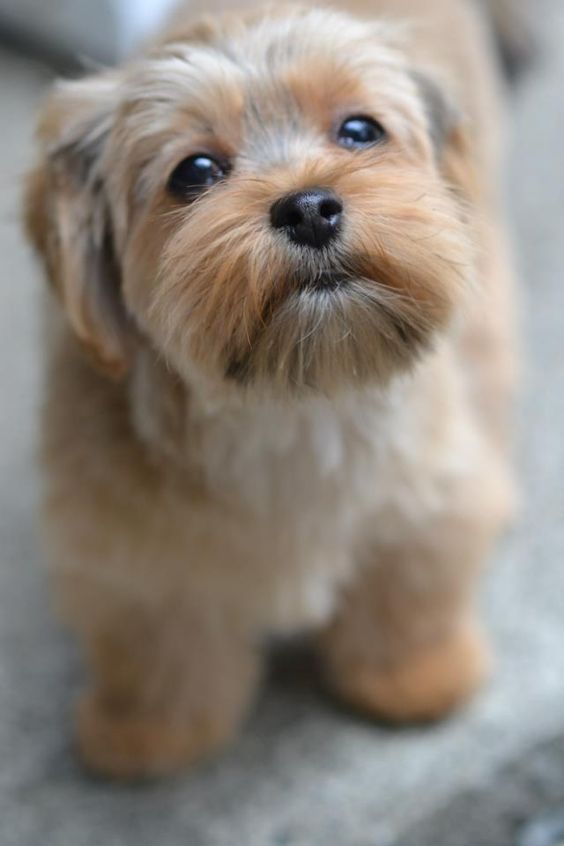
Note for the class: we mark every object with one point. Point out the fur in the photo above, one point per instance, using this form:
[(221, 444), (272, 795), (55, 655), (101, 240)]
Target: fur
[(231, 452)]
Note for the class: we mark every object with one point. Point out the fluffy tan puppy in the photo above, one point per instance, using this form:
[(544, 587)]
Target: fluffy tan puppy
[(279, 365)]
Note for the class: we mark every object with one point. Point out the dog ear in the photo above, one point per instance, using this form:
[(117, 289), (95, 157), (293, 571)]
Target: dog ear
[(443, 116), (68, 218), (449, 134)]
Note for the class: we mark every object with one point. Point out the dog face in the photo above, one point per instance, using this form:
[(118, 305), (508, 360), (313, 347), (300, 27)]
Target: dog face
[(263, 199)]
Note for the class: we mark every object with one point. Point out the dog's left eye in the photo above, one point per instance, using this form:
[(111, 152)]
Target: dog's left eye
[(194, 175), (358, 132)]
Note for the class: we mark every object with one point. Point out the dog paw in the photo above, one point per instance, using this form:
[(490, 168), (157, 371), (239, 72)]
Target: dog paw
[(129, 746), (428, 685)]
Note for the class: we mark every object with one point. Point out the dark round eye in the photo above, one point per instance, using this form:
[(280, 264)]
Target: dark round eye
[(195, 174), (357, 132)]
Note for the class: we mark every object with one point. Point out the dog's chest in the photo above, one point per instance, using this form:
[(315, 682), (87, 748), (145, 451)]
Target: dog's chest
[(300, 480), (281, 461), (291, 491)]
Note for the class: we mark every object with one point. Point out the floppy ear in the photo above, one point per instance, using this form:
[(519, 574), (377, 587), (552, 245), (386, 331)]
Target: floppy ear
[(442, 114), (68, 218), (449, 133)]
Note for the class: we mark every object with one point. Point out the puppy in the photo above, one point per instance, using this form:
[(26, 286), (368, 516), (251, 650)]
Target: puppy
[(280, 363)]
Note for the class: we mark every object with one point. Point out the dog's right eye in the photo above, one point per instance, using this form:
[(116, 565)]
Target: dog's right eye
[(194, 175), (358, 132)]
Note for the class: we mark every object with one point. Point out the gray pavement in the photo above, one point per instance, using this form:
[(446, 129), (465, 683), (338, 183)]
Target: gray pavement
[(303, 773), (520, 805)]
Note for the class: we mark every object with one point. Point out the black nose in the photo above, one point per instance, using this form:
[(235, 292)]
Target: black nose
[(310, 218)]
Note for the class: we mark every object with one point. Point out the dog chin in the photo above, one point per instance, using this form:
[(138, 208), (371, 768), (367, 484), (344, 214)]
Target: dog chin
[(335, 332)]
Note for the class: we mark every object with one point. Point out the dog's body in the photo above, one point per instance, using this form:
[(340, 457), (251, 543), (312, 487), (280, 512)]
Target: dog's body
[(267, 474)]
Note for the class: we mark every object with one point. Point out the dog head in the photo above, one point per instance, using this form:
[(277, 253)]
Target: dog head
[(266, 198)]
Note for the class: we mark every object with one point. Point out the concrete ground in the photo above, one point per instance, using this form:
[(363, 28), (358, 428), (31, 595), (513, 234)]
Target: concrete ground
[(303, 773)]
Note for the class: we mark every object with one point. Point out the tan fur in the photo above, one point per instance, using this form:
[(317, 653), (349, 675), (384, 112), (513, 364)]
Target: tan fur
[(239, 455)]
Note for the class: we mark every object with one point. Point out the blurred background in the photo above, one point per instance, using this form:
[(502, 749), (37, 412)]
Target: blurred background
[(303, 773), (100, 30)]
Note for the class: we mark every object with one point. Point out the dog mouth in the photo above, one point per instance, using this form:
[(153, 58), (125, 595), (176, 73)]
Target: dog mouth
[(326, 280), (325, 286), (342, 317)]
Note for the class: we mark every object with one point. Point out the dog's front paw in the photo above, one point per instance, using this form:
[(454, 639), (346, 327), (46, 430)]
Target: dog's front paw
[(129, 746), (425, 686)]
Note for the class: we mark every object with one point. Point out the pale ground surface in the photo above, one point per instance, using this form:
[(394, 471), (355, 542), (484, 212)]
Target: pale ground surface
[(303, 774)]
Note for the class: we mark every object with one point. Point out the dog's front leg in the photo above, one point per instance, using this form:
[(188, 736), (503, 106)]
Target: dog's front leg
[(168, 688), (405, 644)]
